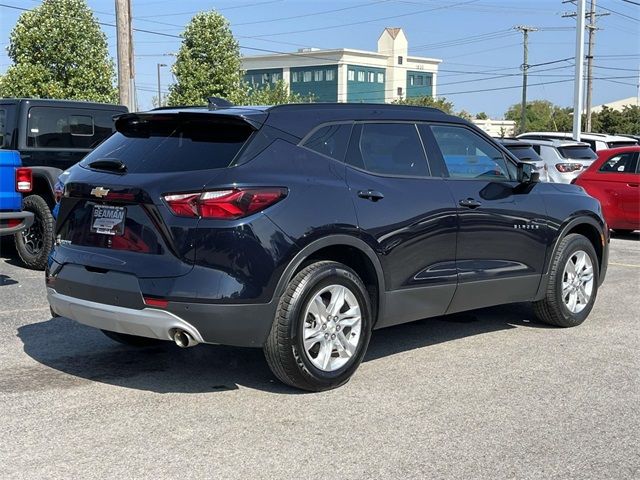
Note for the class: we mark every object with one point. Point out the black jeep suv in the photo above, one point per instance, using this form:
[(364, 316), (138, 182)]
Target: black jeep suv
[(300, 228)]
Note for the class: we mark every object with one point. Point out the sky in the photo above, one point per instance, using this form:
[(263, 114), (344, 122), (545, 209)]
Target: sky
[(476, 40)]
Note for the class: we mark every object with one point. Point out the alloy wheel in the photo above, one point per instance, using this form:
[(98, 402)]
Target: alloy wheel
[(332, 328), (577, 281)]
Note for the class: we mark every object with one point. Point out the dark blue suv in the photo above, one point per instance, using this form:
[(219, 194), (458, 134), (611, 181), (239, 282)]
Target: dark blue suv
[(300, 228)]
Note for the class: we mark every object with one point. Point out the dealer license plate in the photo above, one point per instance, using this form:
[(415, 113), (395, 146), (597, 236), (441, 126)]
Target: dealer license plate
[(108, 220)]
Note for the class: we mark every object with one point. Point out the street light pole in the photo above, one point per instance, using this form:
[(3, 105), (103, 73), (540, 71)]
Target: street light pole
[(579, 74), (159, 90)]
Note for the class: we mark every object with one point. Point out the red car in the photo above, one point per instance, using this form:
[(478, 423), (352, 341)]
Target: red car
[(614, 179)]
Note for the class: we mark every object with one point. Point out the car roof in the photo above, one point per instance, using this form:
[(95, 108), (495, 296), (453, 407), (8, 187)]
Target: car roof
[(300, 118), (63, 103), (587, 135), (553, 142), (513, 142), (628, 148)]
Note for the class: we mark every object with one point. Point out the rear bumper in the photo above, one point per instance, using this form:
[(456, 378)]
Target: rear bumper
[(114, 301), (237, 325), (26, 220)]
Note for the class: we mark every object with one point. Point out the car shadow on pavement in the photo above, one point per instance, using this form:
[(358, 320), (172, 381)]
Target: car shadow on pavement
[(88, 356), (635, 235)]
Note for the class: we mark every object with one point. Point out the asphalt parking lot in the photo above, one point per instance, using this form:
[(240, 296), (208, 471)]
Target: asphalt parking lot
[(489, 394)]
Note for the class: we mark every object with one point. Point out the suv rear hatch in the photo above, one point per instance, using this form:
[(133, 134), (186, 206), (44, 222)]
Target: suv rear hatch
[(113, 216)]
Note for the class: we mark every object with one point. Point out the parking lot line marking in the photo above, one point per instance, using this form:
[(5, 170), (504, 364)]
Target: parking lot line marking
[(4, 312), (624, 265)]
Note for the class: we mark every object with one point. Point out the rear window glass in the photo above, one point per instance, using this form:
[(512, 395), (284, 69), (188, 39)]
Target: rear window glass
[(68, 128), (577, 153), (171, 144), (526, 153)]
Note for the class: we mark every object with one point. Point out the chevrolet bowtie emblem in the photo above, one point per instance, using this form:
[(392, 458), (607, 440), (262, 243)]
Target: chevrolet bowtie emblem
[(99, 192)]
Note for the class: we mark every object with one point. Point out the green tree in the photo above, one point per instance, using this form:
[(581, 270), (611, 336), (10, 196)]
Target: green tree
[(464, 114), (269, 94), (428, 101), (59, 51), (622, 121), (482, 116), (208, 62), (541, 115)]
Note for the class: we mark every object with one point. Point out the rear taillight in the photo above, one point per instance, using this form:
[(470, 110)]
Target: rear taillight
[(568, 167), (24, 180), (224, 204)]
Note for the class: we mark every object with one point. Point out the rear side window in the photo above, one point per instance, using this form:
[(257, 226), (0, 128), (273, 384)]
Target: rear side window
[(623, 163), (525, 154), (3, 119), (468, 156), (330, 140), (577, 153), (68, 128), (167, 143), (390, 149)]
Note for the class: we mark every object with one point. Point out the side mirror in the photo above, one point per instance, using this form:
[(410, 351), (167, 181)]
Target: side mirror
[(527, 174)]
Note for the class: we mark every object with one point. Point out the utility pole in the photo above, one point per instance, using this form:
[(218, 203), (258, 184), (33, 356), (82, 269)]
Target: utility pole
[(160, 91), (579, 72), (525, 68), (126, 74)]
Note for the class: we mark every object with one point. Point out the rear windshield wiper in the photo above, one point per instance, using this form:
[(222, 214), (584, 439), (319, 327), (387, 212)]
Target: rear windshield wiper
[(108, 165)]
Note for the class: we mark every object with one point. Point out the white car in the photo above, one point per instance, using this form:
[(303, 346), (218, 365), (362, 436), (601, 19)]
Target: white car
[(565, 160), (597, 141), (525, 152)]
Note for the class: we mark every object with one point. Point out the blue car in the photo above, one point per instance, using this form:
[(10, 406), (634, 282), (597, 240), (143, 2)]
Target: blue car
[(14, 181), (299, 229)]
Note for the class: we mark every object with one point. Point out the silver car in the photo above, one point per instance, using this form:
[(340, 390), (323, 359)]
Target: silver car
[(525, 152), (564, 160)]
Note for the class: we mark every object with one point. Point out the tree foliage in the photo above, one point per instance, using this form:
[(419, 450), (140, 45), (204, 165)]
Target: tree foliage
[(59, 51), (482, 116), (543, 115), (427, 101), (208, 62)]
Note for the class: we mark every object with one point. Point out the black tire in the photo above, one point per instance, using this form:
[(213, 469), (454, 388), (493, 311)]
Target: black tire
[(35, 243), (284, 349), (131, 340), (552, 309)]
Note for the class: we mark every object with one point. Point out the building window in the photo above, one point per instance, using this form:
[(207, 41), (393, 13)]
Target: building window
[(372, 77), (399, 91), (265, 78), (275, 77), (329, 75), (411, 80), (351, 75), (306, 76), (294, 77), (419, 79), (317, 76), (381, 78), (399, 59), (361, 76)]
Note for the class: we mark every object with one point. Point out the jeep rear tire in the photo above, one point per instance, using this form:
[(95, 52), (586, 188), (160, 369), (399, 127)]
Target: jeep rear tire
[(321, 329), (35, 243)]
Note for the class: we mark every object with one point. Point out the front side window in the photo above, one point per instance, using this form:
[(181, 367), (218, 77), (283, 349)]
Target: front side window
[(622, 163), (468, 156), (391, 149), (330, 140)]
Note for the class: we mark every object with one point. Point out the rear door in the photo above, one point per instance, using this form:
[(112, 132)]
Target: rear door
[(617, 177), (407, 215), (502, 236)]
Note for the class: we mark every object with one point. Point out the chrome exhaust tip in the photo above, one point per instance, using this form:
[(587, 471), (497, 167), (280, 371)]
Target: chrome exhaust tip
[(183, 339)]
